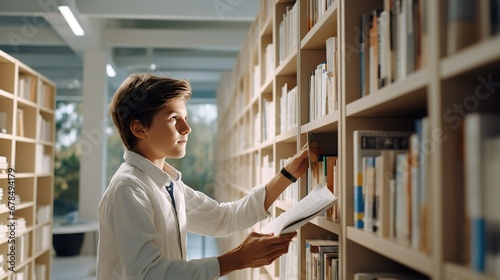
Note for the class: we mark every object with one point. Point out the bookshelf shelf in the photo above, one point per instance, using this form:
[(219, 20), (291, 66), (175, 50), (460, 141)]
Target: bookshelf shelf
[(6, 94), (428, 92), (20, 175), (325, 27), (46, 110), (24, 205), (288, 66), (286, 137), (328, 224), (268, 144), (413, 259), (478, 59), (25, 96), (398, 99), (267, 27), (22, 139), (6, 136), (455, 271), (41, 252), (323, 124), (267, 86), (26, 103)]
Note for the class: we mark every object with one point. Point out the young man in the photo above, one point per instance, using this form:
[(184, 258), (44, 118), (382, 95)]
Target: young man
[(147, 210)]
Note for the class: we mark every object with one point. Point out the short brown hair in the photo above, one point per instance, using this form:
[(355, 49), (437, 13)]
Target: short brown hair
[(139, 97)]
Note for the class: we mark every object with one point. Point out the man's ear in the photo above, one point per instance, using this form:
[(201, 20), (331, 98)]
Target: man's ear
[(138, 129)]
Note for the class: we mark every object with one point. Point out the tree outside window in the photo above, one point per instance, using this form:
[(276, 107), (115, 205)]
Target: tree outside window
[(67, 156)]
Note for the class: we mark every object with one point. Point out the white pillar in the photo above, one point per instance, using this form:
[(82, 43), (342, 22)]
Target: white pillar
[(93, 136)]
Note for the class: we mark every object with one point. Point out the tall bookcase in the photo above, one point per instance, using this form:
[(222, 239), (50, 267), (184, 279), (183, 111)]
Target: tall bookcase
[(27, 101), (444, 89)]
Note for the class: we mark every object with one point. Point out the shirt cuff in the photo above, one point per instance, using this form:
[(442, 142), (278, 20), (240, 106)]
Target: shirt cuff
[(208, 268)]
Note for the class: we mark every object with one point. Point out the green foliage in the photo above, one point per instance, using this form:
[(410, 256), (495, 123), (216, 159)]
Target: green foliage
[(67, 158)]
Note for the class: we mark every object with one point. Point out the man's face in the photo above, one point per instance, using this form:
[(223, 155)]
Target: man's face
[(168, 133)]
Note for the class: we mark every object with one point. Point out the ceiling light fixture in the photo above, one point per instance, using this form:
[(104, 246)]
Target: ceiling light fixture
[(110, 71), (71, 20)]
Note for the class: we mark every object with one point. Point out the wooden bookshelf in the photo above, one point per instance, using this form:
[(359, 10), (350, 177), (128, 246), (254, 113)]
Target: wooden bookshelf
[(30, 155), (443, 89)]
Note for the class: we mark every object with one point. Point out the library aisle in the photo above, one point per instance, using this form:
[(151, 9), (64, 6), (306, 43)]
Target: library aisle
[(403, 97)]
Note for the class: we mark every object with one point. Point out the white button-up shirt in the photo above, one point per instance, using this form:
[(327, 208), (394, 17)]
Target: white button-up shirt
[(142, 237)]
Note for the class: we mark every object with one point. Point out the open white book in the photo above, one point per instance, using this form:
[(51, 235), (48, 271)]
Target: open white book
[(318, 200)]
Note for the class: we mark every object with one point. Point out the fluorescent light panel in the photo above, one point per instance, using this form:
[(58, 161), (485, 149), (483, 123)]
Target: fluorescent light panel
[(110, 71), (71, 20)]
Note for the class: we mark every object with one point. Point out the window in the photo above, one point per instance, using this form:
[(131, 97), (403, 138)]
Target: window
[(67, 156)]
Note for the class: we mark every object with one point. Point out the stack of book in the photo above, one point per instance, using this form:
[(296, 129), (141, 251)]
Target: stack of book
[(315, 10), (322, 259), (20, 225), (27, 87), (392, 43), (287, 36), (482, 215), (288, 262), (390, 184), (288, 109)]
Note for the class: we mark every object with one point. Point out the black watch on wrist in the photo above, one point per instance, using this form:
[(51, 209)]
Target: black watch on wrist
[(288, 175)]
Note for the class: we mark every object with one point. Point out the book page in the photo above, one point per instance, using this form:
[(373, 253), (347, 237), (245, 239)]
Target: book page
[(318, 200)]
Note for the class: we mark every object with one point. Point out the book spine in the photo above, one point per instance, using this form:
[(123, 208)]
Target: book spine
[(358, 183), (472, 135)]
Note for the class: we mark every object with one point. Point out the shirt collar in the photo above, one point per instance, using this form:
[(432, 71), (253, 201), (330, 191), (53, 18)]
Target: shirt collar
[(160, 177)]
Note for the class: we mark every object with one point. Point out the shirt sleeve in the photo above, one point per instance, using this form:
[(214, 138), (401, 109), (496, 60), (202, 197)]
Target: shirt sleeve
[(207, 216), (131, 220)]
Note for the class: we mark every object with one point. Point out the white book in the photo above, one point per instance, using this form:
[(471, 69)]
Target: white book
[(3, 122), (409, 36), (383, 25), (477, 128), (40, 271), (317, 201), (331, 50), (401, 39), (311, 97), (401, 217)]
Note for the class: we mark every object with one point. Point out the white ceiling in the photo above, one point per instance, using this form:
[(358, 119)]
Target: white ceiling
[(193, 39)]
